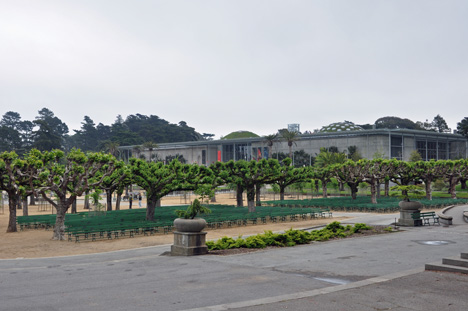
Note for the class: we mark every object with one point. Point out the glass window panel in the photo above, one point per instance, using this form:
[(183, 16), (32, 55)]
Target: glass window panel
[(396, 152), (397, 140)]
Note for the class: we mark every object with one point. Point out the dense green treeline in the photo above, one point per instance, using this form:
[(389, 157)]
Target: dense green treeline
[(48, 132)]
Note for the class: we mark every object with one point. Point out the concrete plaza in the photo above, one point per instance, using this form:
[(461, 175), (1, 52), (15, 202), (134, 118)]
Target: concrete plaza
[(382, 272)]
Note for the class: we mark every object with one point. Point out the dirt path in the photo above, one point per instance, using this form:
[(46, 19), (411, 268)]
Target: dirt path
[(38, 243)]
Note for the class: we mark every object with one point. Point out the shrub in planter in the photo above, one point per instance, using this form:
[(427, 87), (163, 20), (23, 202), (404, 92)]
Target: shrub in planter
[(406, 190), (187, 221), (193, 210)]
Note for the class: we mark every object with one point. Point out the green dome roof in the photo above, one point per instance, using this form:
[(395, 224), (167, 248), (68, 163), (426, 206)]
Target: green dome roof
[(240, 134), (341, 127)]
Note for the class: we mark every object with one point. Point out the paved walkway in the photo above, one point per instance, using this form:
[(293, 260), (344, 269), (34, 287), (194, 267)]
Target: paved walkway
[(383, 272), (457, 214)]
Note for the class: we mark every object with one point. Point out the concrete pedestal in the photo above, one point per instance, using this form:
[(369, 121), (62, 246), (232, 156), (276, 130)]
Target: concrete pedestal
[(407, 220), (189, 244)]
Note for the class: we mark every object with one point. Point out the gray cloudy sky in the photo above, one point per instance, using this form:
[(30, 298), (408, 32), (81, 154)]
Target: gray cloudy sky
[(223, 66)]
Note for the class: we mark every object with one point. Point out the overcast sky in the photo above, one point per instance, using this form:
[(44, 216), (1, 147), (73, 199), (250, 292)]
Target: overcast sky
[(223, 66)]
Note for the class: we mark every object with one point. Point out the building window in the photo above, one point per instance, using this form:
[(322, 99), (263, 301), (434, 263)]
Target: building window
[(237, 152), (442, 151), (243, 152), (457, 150), (257, 153), (203, 157), (431, 150), (421, 148), (228, 153), (396, 147)]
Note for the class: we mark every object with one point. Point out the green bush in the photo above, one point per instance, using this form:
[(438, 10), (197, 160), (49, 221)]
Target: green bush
[(359, 227), (275, 239), (210, 245), (254, 241), (290, 238), (322, 235), (297, 237), (225, 243), (334, 226)]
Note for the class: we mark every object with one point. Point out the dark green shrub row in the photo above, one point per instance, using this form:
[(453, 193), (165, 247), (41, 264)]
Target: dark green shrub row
[(363, 204), (289, 238)]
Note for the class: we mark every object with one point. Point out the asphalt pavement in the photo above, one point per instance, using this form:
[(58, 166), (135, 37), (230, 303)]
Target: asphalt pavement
[(381, 272)]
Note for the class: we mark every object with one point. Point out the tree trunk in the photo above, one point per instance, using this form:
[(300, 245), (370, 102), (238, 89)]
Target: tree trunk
[(282, 190), (354, 190), (428, 189), (59, 228), (374, 189), (324, 189), (73, 207), (109, 200), (213, 198), (25, 207), (117, 202), (32, 200), (251, 199), (387, 188), (258, 199), (151, 202), (86, 200), (452, 190), (463, 184), (239, 193), (378, 189), (12, 203)]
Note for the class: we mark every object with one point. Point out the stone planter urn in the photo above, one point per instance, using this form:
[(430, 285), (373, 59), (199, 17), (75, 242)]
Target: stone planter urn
[(407, 208), (410, 205), (189, 225), (189, 239)]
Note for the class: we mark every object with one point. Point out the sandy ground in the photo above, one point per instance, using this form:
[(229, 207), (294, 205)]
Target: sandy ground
[(38, 243)]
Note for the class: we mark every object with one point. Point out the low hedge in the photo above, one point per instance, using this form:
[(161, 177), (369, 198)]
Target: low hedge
[(289, 238)]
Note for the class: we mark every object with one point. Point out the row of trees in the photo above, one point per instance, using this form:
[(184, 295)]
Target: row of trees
[(47, 132), (61, 178)]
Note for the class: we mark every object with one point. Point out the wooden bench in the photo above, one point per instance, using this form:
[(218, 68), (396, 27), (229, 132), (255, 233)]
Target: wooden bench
[(425, 218)]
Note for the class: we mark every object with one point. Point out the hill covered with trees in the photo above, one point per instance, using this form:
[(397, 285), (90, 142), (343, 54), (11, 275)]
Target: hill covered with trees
[(47, 132)]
